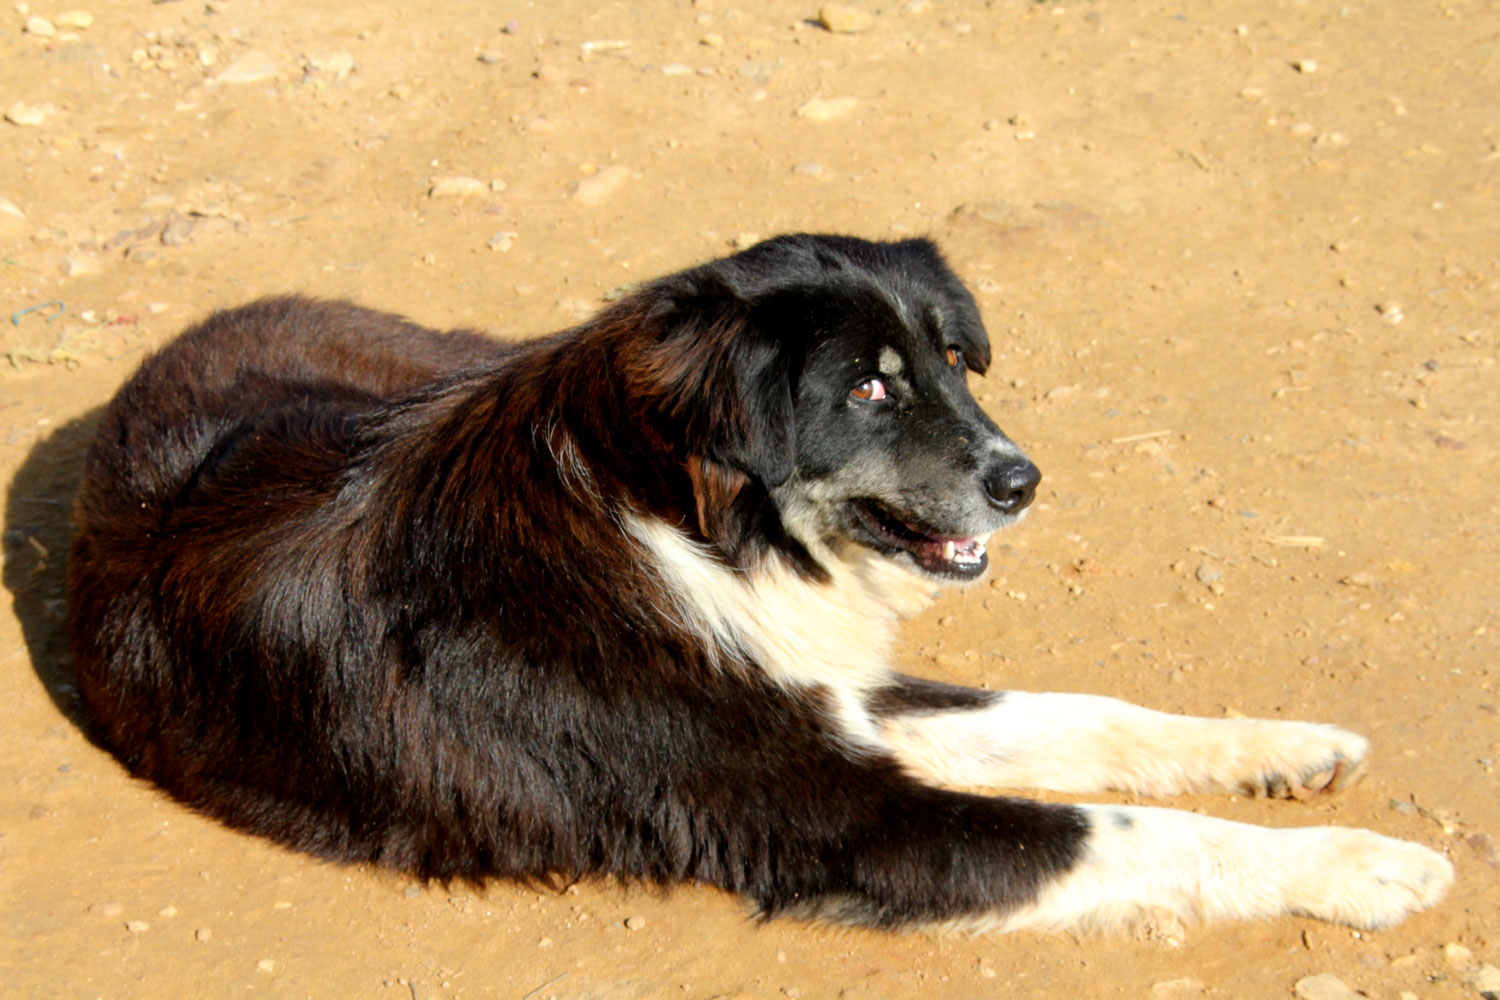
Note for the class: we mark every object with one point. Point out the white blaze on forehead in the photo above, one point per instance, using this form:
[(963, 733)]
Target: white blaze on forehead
[(890, 361)]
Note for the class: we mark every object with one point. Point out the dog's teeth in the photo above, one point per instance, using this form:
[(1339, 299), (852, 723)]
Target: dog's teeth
[(949, 549)]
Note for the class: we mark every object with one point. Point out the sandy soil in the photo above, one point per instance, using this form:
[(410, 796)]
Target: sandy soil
[(1241, 264)]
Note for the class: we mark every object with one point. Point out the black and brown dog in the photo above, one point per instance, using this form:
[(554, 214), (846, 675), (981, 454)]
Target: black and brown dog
[(621, 601)]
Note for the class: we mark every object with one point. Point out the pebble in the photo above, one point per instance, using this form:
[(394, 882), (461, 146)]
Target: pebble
[(110, 908), (39, 26), (8, 207), (1323, 986), (74, 265), (265, 965), (1391, 312), (634, 923), (823, 109), (1306, 65), (1486, 981), (27, 113), (202, 934), (252, 67), (845, 20), (1208, 573), (335, 65), (178, 230), (137, 926), (1178, 989), (809, 168), (1457, 955), (502, 241), (676, 69), (491, 55), (75, 20), (457, 187), (592, 191)]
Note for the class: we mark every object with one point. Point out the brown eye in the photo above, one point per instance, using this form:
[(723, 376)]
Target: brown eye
[(869, 390), (954, 357)]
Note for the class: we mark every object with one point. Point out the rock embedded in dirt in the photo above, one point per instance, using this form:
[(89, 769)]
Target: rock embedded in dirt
[(28, 114), (1323, 986), (39, 26), (824, 109), (458, 187), (593, 191), (845, 20), (254, 66)]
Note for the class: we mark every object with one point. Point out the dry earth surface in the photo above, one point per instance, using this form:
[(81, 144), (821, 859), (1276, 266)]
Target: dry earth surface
[(1241, 264)]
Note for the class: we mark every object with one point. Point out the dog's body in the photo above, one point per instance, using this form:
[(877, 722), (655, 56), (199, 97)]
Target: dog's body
[(621, 601)]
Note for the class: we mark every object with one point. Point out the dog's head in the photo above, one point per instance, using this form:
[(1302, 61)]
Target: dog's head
[(821, 383)]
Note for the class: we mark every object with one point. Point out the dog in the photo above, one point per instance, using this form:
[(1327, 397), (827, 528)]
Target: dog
[(621, 602)]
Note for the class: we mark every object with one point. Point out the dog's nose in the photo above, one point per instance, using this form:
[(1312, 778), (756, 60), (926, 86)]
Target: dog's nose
[(1012, 486)]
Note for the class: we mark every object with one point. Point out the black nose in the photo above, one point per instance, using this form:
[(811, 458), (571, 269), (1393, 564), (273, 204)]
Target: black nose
[(1012, 485)]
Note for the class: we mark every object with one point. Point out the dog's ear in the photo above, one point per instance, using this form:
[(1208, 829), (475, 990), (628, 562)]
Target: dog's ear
[(724, 381)]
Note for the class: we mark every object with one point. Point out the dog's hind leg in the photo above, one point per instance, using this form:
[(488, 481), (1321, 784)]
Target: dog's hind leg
[(1088, 743)]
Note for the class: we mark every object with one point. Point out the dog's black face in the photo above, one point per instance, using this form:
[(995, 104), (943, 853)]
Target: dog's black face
[(891, 452)]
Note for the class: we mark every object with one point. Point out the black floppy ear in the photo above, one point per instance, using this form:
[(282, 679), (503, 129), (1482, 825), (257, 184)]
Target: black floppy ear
[(725, 381)]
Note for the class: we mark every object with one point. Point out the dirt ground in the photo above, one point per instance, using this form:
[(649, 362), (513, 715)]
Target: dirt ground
[(1241, 264)]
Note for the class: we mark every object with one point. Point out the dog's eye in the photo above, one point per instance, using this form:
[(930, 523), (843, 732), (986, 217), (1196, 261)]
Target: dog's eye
[(869, 390), (955, 357)]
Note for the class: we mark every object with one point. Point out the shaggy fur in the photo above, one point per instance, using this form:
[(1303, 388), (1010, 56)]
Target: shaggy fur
[(620, 601)]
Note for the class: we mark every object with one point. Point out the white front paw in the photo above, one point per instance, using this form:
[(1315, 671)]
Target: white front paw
[(1366, 880)]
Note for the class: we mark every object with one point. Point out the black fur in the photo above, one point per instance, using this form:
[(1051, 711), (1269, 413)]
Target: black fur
[(361, 587)]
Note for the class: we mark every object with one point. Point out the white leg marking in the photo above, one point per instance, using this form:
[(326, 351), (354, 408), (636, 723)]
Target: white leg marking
[(1088, 743), (1138, 859)]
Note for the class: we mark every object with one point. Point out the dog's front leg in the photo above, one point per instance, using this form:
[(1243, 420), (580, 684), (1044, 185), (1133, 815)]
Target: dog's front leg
[(1139, 861), (1087, 743)]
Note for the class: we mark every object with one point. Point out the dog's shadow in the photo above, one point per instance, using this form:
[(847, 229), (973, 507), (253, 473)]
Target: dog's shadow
[(38, 532)]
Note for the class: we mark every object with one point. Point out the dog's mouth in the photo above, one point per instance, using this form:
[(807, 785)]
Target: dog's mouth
[(960, 557)]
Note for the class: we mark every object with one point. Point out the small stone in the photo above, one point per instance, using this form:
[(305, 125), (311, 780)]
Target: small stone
[(252, 67), (676, 69), (1457, 955), (592, 191), (137, 926), (1178, 989), (1358, 580), (265, 965), (75, 20), (491, 55), (634, 923), (39, 26), (28, 114), (745, 241), (809, 168), (399, 91), (178, 230), (502, 241), (1208, 573), (845, 20), (822, 109), (202, 934), (8, 207), (497, 185), (545, 942), (1391, 312), (511, 27), (1323, 986), (1306, 65), (713, 41), (111, 908), (334, 65), (167, 911), (74, 265), (457, 187), (1486, 981), (791, 991)]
